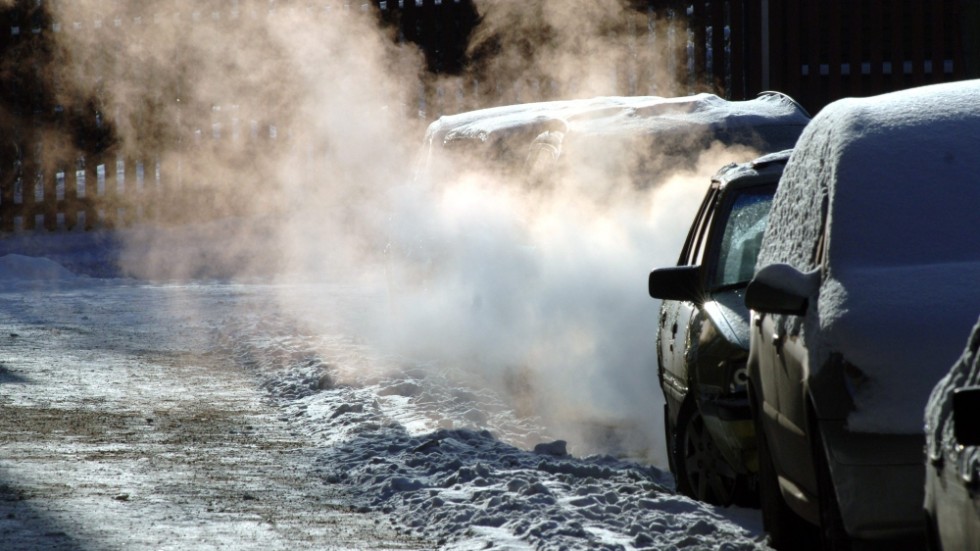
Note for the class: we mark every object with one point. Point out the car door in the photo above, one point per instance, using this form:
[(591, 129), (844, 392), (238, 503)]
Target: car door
[(783, 355), (676, 316), (783, 405)]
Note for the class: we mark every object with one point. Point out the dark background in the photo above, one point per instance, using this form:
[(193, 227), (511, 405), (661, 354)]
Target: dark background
[(816, 51)]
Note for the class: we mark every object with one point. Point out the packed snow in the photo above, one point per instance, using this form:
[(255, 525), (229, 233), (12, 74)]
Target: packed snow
[(447, 461)]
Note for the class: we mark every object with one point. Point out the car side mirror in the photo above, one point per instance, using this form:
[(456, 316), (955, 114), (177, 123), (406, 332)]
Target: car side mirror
[(966, 416), (677, 283), (781, 289)]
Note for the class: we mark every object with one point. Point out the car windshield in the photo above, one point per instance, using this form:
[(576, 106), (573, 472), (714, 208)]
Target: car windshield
[(740, 242)]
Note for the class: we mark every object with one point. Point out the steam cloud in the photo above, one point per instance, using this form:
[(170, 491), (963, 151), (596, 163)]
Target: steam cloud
[(293, 128), (577, 48)]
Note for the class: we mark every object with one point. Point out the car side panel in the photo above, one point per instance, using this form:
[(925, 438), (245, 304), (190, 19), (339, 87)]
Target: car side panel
[(673, 341), (779, 374)]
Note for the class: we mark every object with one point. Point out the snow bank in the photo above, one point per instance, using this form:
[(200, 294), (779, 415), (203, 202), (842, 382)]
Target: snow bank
[(894, 176), (438, 457), (466, 487), (18, 268), (431, 449), (92, 253)]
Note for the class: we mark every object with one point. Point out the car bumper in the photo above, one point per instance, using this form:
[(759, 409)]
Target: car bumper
[(879, 480)]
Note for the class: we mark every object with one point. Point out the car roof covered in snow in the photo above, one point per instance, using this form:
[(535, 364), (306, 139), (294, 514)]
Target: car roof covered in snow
[(597, 128), (892, 160), (620, 115), (766, 168)]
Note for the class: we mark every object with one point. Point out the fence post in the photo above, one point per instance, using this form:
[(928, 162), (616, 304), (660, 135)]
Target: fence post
[(834, 57), (813, 83), (698, 29), (855, 57), (78, 216), (939, 43), (876, 41), (719, 57), (918, 46), (898, 48), (737, 22)]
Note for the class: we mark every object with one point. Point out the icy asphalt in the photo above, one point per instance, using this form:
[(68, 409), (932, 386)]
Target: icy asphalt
[(201, 416)]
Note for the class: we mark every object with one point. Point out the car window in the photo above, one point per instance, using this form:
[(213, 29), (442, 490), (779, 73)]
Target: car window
[(695, 244), (739, 247)]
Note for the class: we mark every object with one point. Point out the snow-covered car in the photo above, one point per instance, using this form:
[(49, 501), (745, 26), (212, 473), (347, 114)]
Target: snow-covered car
[(606, 134), (599, 142), (866, 282), (703, 335), (953, 454)]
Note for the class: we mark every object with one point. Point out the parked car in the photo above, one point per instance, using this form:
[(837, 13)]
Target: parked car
[(952, 503), (867, 280), (604, 135), (702, 337), (601, 141)]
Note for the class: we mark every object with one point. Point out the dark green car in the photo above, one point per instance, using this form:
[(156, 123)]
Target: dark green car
[(702, 339)]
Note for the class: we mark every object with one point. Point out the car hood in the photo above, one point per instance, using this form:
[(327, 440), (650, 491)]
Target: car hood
[(902, 327), (728, 312)]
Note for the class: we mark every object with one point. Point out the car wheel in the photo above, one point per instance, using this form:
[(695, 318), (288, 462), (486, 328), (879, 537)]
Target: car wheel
[(787, 530), (701, 471), (833, 536)]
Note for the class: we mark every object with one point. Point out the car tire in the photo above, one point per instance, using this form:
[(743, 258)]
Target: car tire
[(787, 531), (700, 470)]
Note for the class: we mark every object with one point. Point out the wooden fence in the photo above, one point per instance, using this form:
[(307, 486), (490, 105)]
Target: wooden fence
[(819, 51), (814, 50), (703, 46)]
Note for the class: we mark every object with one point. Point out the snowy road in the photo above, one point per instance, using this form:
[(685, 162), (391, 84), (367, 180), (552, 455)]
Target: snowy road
[(122, 429), (202, 416)]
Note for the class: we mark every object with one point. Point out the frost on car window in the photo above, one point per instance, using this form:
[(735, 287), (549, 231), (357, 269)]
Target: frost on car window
[(743, 234)]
